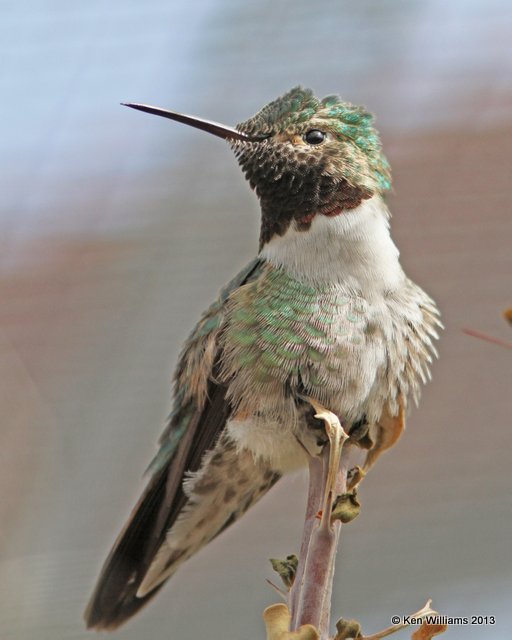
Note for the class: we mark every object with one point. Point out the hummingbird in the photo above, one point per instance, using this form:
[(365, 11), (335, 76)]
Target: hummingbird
[(324, 312)]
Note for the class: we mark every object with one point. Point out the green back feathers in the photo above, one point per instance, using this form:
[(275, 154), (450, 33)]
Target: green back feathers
[(282, 331)]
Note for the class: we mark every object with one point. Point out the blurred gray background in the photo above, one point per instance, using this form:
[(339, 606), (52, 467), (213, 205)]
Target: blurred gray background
[(117, 229)]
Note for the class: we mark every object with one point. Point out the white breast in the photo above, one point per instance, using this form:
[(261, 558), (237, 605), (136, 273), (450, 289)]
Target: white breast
[(353, 249)]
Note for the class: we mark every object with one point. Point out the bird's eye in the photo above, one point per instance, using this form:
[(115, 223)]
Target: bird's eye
[(314, 136)]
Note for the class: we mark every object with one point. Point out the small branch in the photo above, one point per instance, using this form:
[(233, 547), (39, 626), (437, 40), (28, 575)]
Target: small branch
[(339, 488), (483, 336), (316, 590), (311, 593), (278, 590), (314, 497), (333, 481)]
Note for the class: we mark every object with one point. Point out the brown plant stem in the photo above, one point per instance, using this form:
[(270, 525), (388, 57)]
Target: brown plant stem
[(487, 338), (347, 462), (318, 572), (313, 502), (310, 597)]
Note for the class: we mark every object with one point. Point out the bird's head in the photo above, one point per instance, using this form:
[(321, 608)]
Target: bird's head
[(304, 157)]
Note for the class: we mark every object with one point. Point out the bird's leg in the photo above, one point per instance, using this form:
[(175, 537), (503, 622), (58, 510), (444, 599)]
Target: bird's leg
[(311, 592)]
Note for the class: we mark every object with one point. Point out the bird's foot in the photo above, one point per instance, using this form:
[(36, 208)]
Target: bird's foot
[(359, 434), (312, 436)]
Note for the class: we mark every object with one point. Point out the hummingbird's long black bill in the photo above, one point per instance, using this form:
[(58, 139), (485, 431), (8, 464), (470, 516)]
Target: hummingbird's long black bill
[(220, 130)]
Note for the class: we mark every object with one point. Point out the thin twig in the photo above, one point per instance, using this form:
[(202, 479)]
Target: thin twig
[(483, 336), (314, 498), (311, 599)]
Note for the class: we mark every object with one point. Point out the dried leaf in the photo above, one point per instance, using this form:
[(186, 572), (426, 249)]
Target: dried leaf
[(361, 437), (347, 629), (346, 507), (277, 623), (507, 314), (389, 430), (428, 631), (286, 569)]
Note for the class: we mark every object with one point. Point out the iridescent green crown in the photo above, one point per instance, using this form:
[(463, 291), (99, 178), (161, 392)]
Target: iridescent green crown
[(347, 122)]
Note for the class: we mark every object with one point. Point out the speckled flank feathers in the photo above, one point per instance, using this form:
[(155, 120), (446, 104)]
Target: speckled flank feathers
[(230, 481)]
